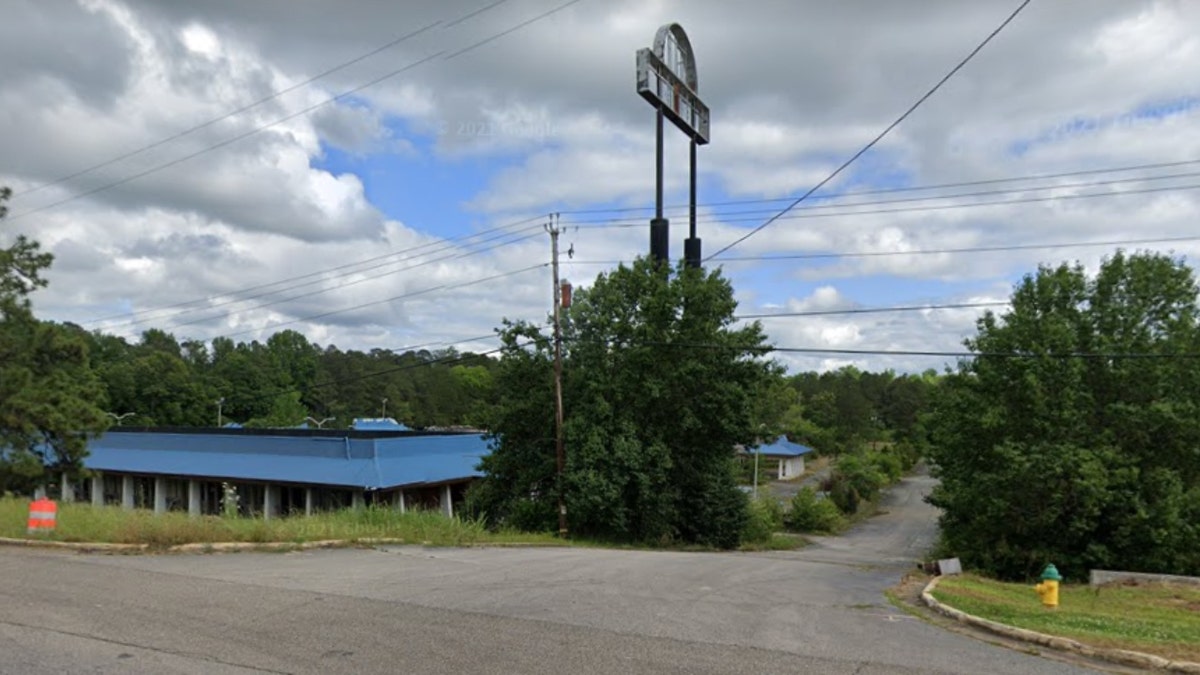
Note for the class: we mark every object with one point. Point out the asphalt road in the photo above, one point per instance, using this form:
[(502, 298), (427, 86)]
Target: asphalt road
[(523, 610)]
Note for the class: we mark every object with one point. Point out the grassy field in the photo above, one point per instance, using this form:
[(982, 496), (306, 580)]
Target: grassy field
[(1152, 618), (83, 522), (112, 524)]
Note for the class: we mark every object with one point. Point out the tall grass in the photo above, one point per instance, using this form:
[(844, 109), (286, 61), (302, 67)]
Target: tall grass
[(112, 524)]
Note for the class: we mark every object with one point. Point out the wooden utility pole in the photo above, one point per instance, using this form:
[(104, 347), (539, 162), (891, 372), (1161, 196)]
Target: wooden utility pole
[(559, 453)]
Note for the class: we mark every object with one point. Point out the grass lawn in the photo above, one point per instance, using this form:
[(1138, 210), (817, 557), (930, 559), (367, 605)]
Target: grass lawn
[(112, 524), (1146, 617)]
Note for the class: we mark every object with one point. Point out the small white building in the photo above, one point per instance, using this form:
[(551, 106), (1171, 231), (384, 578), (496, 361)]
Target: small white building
[(788, 455)]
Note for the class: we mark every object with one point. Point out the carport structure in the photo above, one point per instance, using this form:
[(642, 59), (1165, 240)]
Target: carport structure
[(277, 472), (788, 455)]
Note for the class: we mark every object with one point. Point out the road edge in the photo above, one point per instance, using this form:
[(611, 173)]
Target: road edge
[(1119, 656), (247, 546)]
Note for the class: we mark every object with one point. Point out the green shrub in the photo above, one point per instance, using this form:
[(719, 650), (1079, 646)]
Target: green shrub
[(811, 513), (765, 517), (888, 463), (843, 495), (861, 475)]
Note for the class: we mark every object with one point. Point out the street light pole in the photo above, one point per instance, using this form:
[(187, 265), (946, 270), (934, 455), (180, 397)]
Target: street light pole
[(321, 423), (383, 413), (220, 402), (120, 417)]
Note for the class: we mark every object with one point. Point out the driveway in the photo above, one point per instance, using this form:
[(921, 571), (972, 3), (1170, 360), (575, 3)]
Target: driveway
[(503, 610)]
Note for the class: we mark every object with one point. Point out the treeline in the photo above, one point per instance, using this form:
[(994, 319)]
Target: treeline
[(848, 409), (163, 381)]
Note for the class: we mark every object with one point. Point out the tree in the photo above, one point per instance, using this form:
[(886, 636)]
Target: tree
[(48, 394), (659, 388), (1083, 461), (286, 411)]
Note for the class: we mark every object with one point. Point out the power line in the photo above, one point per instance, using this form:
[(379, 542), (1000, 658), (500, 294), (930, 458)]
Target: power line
[(387, 371), (441, 244), (204, 125), (851, 255), (404, 296), (767, 349), (992, 355), (871, 310), (320, 291), (974, 249), (936, 251), (881, 135), (618, 223), (513, 29), (270, 97), (816, 351), (221, 144), (721, 215), (915, 209), (914, 188), (413, 348), (304, 111)]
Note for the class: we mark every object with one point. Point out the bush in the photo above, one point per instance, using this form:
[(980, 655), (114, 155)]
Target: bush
[(861, 475), (765, 517), (888, 463), (810, 513), (843, 495)]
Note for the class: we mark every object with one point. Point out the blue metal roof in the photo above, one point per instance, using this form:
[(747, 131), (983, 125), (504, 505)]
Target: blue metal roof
[(782, 447), (370, 463)]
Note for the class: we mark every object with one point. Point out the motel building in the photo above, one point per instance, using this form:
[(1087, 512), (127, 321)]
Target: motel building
[(278, 472)]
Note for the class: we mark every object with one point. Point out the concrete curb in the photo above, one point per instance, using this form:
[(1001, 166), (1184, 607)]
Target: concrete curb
[(74, 545), (1120, 656), (206, 547), (247, 546)]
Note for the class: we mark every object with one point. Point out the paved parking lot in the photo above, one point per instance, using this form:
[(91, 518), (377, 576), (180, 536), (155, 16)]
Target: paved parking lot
[(519, 610)]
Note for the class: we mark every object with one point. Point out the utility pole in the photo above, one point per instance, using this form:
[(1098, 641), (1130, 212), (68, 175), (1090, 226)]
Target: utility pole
[(559, 454)]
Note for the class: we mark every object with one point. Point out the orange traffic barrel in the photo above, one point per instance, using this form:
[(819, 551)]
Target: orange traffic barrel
[(42, 516)]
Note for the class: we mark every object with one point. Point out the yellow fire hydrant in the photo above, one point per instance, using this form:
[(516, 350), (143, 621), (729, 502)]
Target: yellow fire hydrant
[(1048, 589)]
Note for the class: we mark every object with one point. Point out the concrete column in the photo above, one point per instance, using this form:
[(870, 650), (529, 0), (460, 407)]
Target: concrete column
[(68, 489), (194, 498), (160, 494), (127, 492), (308, 501), (270, 501), (97, 489), (400, 500), (358, 499), (447, 504)]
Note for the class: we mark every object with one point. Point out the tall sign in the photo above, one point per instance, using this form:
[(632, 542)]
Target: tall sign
[(666, 78)]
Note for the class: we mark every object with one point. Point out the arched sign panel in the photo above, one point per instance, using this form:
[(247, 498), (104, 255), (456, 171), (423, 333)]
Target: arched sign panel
[(666, 77)]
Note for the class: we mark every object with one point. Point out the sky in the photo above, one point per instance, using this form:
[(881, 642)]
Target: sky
[(376, 175)]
